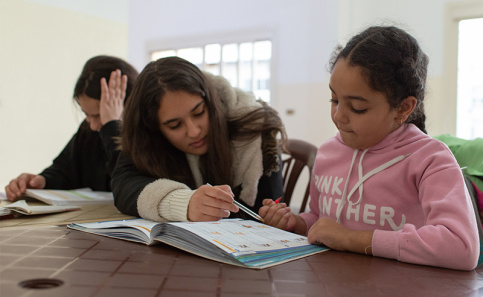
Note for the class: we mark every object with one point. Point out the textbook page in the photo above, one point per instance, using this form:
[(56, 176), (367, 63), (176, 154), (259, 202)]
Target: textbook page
[(67, 197), (238, 242), (240, 237), (138, 230)]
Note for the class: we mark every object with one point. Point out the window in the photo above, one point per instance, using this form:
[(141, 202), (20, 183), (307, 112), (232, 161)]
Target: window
[(246, 65), (460, 106), (469, 118)]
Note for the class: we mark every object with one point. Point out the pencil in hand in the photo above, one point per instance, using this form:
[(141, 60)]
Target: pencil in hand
[(245, 209), (248, 211)]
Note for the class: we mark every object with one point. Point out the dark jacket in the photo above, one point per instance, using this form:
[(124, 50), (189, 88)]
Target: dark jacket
[(87, 161), (128, 183)]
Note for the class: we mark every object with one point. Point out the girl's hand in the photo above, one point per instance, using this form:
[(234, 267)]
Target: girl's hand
[(112, 97), (332, 234), (24, 181), (210, 203), (279, 215), (328, 232)]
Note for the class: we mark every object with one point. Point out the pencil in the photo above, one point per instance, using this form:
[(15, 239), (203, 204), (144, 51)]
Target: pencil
[(245, 209), (248, 211), (278, 200)]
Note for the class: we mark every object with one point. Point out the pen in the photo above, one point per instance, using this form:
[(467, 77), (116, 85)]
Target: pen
[(246, 210), (278, 200)]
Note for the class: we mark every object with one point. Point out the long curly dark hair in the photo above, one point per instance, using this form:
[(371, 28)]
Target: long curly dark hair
[(393, 63)]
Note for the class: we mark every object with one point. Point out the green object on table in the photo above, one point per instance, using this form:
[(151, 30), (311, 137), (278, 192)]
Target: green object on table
[(469, 154)]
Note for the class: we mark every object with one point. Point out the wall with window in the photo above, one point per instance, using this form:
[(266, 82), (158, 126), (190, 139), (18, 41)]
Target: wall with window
[(244, 62), (46, 42), (304, 34), (434, 24), (44, 45)]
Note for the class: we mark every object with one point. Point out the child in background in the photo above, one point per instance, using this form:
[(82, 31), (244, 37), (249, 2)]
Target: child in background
[(89, 158), (381, 186)]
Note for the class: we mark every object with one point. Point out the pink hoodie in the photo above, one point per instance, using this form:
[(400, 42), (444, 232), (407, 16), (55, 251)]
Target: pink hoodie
[(408, 188)]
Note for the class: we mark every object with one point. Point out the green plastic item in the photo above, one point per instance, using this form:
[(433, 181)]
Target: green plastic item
[(469, 154)]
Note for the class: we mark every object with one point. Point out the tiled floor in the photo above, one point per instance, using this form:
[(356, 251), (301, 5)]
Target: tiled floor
[(91, 265)]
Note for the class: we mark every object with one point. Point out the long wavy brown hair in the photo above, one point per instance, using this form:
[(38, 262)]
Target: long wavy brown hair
[(154, 156)]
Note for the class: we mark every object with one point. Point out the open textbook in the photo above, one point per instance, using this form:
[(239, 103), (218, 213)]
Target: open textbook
[(22, 207), (237, 242), (70, 197)]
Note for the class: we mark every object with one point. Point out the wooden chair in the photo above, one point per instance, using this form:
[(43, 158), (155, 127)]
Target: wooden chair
[(300, 154)]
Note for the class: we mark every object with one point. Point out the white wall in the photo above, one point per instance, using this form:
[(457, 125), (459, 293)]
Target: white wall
[(44, 45), (46, 42), (305, 33)]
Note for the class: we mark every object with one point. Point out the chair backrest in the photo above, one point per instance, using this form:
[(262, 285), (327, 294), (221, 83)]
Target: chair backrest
[(300, 154)]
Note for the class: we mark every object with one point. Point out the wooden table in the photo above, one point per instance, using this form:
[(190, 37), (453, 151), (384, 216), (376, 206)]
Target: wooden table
[(74, 263)]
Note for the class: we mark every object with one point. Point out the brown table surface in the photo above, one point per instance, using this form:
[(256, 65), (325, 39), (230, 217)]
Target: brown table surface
[(92, 265), (32, 248)]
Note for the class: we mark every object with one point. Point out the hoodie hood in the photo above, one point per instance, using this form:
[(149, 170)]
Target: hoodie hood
[(398, 138)]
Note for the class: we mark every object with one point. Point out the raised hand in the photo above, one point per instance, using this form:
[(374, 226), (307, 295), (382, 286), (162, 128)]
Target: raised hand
[(112, 97)]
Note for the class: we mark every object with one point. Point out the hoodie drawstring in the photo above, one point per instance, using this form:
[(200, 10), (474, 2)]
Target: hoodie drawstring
[(344, 193), (362, 179)]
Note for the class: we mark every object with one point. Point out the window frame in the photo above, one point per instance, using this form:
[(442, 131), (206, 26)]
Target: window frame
[(227, 37), (454, 13)]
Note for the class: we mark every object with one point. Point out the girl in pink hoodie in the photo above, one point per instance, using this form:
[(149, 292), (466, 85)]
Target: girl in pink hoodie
[(381, 186)]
